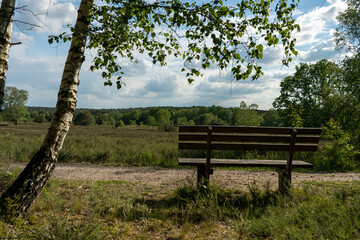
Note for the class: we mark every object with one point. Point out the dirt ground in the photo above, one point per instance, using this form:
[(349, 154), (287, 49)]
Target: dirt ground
[(156, 177)]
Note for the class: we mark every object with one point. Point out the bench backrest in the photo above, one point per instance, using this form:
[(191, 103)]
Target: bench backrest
[(248, 138)]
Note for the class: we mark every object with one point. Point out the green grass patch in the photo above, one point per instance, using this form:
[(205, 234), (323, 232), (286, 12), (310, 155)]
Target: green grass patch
[(124, 210)]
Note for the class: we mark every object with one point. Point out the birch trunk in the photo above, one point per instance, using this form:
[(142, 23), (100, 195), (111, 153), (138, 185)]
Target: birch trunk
[(28, 186), (6, 20)]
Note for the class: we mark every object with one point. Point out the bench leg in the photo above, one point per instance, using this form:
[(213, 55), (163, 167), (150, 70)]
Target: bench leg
[(284, 181), (202, 179)]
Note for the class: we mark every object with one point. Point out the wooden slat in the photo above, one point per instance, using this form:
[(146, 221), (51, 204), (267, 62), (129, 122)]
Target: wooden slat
[(193, 128), (308, 131), (237, 129), (245, 146), (267, 130), (307, 139), (251, 138), (235, 138), (250, 146), (248, 138), (192, 137), (264, 147), (243, 163)]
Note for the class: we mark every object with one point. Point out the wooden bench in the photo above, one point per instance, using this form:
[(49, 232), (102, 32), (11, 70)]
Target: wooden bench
[(235, 138)]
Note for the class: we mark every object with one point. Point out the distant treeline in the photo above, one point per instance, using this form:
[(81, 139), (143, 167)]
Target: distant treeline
[(166, 118)]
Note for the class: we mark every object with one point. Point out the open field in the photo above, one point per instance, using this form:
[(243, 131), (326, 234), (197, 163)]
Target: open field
[(135, 146), (91, 201)]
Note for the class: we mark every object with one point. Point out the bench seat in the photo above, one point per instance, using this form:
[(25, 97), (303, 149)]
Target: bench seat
[(237, 138), (243, 163)]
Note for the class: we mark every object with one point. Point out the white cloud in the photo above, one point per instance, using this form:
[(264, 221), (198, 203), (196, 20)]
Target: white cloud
[(22, 37), (317, 22), (52, 16), (271, 56), (140, 68), (162, 86), (26, 41), (322, 50)]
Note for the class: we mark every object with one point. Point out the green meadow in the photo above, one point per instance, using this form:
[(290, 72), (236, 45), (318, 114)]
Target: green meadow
[(74, 209)]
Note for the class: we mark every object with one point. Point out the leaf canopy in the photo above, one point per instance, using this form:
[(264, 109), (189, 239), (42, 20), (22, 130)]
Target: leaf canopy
[(230, 36)]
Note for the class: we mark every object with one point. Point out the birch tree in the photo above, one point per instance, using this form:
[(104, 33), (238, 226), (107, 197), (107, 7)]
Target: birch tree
[(27, 187), (6, 21), (228, 36)]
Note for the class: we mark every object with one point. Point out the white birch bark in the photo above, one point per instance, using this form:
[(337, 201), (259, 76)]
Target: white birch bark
[(28, 186), (6, 20)]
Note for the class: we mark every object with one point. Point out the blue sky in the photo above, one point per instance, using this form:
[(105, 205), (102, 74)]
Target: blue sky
[(37, 67)]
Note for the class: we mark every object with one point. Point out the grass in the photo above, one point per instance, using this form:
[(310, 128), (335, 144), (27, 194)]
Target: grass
[(124, 210), (136, 146)]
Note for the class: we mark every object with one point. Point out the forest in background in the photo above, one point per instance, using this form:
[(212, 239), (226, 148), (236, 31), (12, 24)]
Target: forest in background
[(166, 118)]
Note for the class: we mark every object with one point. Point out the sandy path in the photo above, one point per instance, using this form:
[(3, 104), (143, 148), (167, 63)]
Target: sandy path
[(156, 177)]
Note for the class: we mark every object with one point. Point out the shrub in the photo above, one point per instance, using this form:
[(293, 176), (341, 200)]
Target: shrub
[(84, 118), (119, 123), (166, 127), (339, 154)]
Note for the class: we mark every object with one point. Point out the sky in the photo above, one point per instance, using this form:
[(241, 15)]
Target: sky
[(36, 66)]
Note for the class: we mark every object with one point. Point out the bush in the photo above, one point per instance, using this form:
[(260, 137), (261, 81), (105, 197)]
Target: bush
[(119, 123), (166, 127), (340, 154), (84, 118)]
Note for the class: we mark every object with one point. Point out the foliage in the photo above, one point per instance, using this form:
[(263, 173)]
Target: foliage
[(84, 118), (312, 93), (338, 155), (347, 37), (14, 104), (271, 118), (294, 118), (162, 116), (167, 127), (247, 115), (209, 119), (348, 112), (155, 116), (119, 123), (216, 34), (348, 33)]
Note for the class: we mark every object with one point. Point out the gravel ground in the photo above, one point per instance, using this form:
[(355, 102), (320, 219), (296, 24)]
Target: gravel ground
[(150, 176)]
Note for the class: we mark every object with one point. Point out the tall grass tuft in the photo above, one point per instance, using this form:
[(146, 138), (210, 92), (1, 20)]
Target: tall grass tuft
[(312, 214)]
